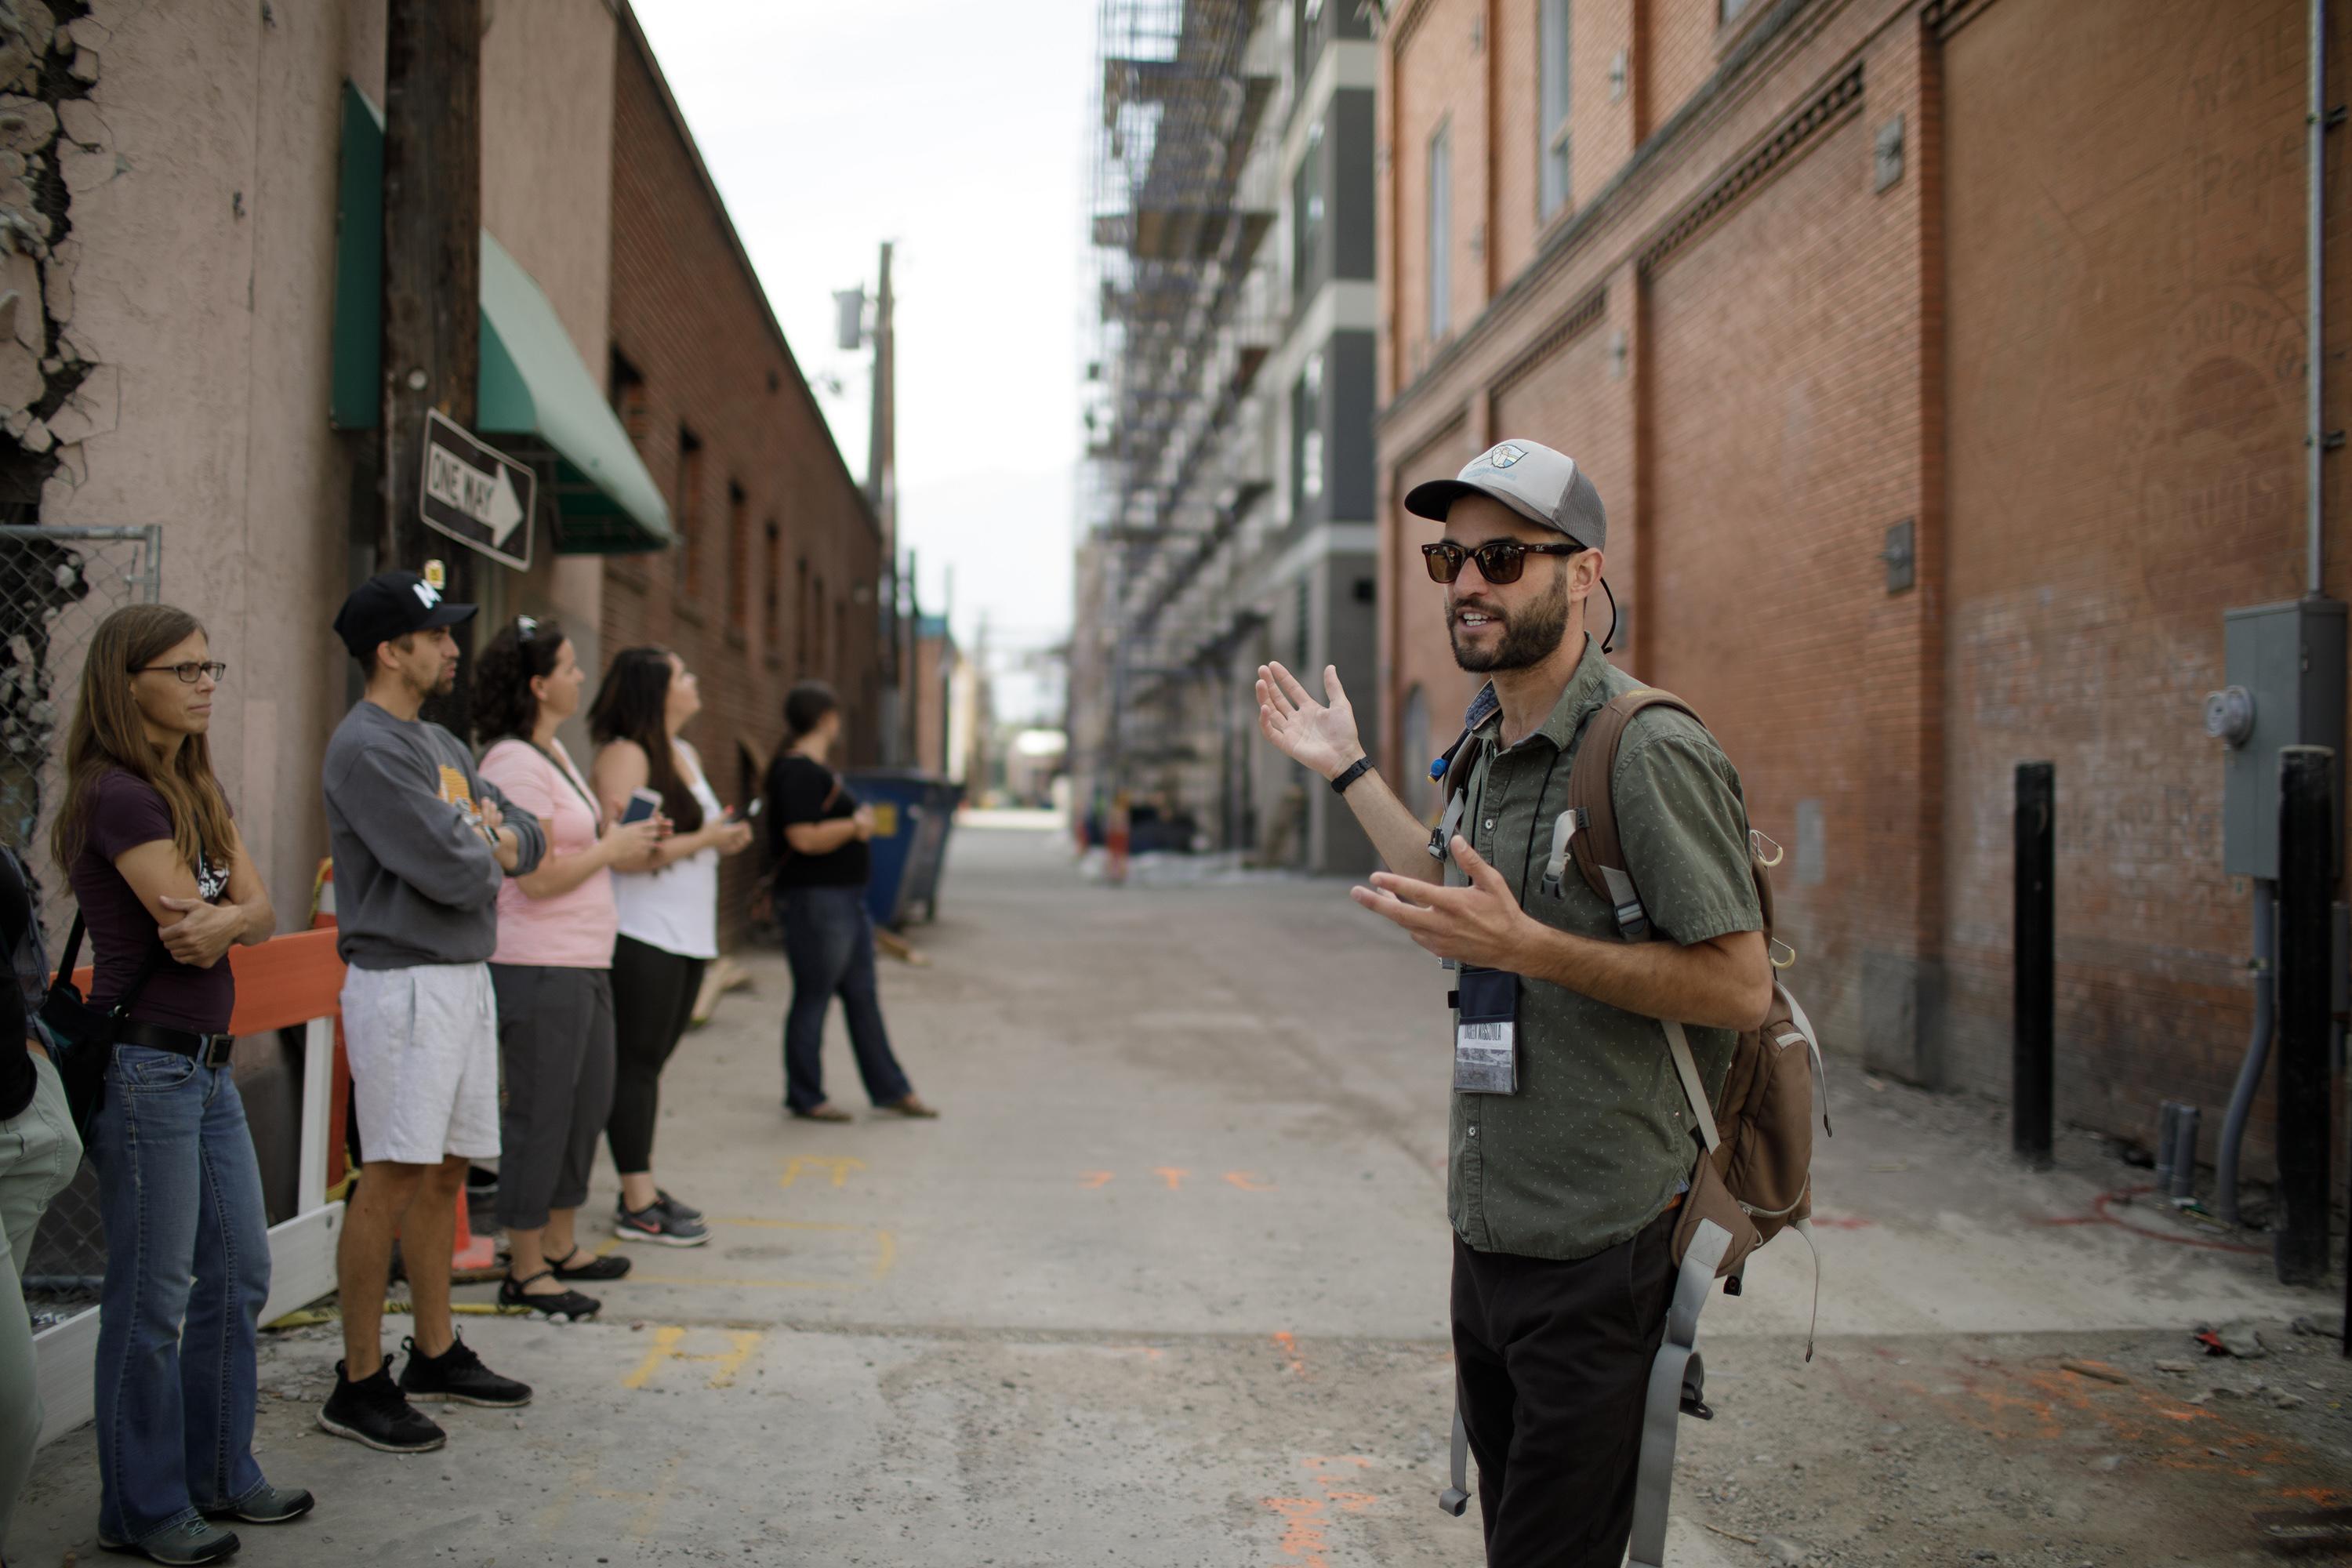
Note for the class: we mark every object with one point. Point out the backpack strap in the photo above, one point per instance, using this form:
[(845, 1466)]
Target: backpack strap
[(1455, 1499), (1694, 1086), (1593, 815), (1677, 1383)]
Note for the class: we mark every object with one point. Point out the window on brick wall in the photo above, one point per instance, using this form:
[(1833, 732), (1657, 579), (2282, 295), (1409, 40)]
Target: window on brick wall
[(771, 610), (818, 642), (1552, 62), (687, 505), (1440, 237), (626, 389), (802, 615), (739, 558)]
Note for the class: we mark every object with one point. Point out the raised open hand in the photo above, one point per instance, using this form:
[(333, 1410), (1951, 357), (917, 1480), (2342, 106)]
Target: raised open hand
[(1318, 735)]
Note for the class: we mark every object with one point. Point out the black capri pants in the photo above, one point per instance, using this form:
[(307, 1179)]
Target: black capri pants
[(556, 1052)]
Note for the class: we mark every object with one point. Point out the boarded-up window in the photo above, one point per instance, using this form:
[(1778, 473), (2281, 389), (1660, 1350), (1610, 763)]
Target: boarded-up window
[(689, 506)]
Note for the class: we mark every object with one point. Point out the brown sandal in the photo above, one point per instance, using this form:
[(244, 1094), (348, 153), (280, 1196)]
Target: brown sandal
[(825, 1110), (912, 1107)]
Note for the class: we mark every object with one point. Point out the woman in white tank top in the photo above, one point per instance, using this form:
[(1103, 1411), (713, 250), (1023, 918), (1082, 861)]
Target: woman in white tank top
[(669, 914)]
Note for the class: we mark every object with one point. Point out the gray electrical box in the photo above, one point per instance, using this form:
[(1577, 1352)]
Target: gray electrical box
[(2286, 669)]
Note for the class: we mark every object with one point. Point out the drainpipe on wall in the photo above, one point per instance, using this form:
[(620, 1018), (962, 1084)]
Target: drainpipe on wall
[(2317, 441)]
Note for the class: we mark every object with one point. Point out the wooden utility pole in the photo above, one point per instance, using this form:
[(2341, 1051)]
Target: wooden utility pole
[(432, 276)]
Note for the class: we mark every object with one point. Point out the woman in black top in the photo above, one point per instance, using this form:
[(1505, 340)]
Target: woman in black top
[(40, 1152), (818, 834)]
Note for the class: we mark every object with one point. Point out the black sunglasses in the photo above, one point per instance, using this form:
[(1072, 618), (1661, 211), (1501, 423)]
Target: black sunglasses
[(1500, 560)]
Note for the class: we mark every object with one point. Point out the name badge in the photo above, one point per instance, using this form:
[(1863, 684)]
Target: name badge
[(1485, 1032)]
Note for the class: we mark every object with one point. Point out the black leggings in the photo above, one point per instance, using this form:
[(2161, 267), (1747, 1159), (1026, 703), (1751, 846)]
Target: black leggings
[(653, 1001)]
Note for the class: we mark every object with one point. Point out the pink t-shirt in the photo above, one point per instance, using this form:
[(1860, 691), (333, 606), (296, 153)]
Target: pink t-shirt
[(574, 930)]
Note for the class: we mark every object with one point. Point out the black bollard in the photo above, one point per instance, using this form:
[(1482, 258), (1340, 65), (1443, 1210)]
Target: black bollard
[(2306, 923), (2034, 987)]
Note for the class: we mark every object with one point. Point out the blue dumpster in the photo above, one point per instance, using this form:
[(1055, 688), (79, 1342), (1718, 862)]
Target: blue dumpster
[(913, 812)]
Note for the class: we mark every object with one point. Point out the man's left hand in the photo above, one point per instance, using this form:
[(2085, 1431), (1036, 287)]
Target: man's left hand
[(1481, 925)]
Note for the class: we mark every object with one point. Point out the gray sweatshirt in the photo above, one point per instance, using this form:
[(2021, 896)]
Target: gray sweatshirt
[(415, 882)]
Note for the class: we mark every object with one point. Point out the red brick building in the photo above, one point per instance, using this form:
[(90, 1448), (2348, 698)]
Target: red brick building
[(774, 572), (2024, 277)]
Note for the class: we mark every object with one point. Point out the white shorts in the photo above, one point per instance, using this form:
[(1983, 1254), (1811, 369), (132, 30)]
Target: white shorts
[(424, 1049)]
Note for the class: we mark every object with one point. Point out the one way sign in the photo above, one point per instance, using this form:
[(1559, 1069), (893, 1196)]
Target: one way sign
[(476, 494)]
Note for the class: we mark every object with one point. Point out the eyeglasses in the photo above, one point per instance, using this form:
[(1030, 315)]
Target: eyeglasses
[(190, 672), (1500, 560)]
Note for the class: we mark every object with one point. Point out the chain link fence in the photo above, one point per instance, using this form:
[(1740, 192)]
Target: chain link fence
[(56, 585)]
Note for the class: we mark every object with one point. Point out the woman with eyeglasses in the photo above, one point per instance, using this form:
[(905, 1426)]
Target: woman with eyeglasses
[(166, 889), (668, 909), (553, 969)]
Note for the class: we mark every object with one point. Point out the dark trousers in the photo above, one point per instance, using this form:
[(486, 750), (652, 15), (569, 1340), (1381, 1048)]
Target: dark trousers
[(1554, 1360), (555, 1046), (829, 943), (652, 1002)]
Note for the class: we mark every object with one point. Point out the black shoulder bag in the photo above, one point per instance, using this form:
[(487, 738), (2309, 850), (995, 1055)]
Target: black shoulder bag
[(84, 1035)]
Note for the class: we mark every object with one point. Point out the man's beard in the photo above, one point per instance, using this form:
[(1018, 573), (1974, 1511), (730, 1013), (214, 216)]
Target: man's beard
[(1529, 638)]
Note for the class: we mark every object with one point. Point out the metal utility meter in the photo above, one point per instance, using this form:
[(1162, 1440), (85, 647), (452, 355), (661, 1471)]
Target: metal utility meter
[(2284, 664)]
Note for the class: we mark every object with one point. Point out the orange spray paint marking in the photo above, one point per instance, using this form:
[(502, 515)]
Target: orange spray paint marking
[(1303, 1539), (1247, 1182), (1289, 1346), (1171, 1174), (1093, 1179)]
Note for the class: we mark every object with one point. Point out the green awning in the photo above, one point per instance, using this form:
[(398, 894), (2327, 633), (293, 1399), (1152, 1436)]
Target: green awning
[(535, 399)]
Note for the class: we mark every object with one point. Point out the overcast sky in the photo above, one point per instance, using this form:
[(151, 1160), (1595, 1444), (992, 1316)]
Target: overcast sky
[(957, 131)]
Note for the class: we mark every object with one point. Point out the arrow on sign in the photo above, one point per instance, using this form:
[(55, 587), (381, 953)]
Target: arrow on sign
[(506, 511)]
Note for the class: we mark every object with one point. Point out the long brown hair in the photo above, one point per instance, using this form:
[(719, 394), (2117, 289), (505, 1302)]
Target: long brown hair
[(631, 705), (106, 733)]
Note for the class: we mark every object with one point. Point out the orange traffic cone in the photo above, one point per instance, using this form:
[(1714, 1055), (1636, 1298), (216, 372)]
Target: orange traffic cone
[(468, 1253)]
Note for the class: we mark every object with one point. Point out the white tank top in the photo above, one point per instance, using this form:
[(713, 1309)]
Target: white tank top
[(675, 909)]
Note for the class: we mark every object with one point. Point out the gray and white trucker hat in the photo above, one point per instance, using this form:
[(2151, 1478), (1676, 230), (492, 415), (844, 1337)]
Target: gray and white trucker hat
[(1543, 486)]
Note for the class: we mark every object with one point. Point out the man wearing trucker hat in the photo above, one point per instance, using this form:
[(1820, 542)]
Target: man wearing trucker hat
[(421, 845), (1571, 1141)]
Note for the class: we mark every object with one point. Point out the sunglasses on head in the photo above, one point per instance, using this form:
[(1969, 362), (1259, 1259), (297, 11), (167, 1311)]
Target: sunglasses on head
[(1500, 560)]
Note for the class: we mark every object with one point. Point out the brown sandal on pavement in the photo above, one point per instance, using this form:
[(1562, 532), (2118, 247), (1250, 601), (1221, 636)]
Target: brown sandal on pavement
[(825, 1110), (912, 1107)]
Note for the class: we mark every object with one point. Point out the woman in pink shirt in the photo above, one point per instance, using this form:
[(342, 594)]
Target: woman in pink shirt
[(552, 968)]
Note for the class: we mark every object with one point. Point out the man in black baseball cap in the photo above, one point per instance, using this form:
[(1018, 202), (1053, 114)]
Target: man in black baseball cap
[(421, 845), (392, 605), (1571, 1139)]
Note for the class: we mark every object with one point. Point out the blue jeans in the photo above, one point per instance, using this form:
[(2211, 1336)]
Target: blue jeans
[(829, 943), (187, 1270)]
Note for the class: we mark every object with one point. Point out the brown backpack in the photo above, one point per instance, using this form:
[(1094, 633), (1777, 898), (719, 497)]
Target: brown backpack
[(1758, 1130)]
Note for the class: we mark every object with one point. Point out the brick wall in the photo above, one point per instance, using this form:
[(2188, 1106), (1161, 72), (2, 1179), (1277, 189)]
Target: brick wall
[(690, 318), (2065, 343)]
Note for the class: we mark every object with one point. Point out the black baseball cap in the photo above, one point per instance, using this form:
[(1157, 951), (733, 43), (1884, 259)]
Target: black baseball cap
[(392, 604)]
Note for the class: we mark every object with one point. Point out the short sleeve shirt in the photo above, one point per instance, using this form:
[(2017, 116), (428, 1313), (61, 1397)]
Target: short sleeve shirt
[(1599, 1139), (570, 931), (126, 812), (801, 790)]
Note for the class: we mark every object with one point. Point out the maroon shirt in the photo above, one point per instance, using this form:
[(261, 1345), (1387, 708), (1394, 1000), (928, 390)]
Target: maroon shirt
[(126, 812)]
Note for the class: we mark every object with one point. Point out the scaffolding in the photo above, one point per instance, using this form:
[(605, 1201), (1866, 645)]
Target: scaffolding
[(1184, 312)]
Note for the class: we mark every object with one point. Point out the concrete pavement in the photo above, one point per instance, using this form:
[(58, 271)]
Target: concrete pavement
[(1167, 1286)]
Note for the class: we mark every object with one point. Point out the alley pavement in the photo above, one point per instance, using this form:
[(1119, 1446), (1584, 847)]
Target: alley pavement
[(1167, 1286)]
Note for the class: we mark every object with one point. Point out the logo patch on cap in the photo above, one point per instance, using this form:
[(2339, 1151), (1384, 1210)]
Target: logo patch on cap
[(425, 594), (1504, 455)]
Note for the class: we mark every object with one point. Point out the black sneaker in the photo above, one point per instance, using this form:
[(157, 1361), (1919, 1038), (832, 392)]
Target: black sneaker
[(192, 1541), (265, 1504), (677, 1209), (580, 1264), (656, 1224), (457, 1374), (556, 1306), (376, 1412)]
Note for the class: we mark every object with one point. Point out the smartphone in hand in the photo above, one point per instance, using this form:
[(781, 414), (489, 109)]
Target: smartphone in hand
[(642, 805)]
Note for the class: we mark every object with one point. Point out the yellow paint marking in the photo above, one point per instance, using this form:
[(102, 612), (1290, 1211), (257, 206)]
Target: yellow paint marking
[(1171, 1174), (1247, 1181), (838, 1165), (668, 1337)]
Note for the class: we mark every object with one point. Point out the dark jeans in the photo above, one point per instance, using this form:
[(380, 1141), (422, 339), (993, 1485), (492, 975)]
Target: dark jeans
[(829, 943), (652, 1002), (1554, 1360), (187, 1270), (555, 1041)]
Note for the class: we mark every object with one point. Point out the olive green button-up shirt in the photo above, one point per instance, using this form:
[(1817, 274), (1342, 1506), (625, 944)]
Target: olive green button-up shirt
[(1598, 1140)]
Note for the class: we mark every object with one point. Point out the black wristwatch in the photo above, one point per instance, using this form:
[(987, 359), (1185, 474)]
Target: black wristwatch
[(1361, 766)]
